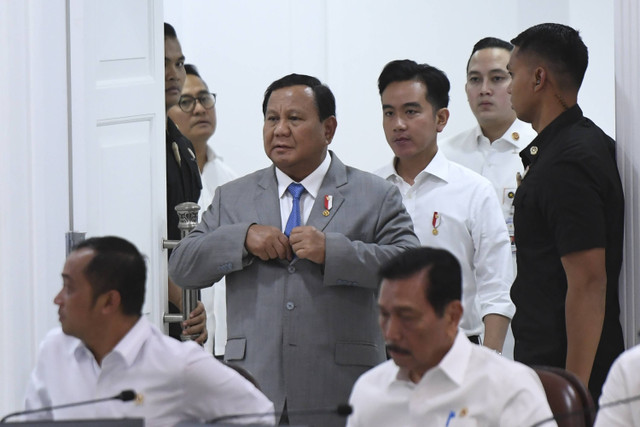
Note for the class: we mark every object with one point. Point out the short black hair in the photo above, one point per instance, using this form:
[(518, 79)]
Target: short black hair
[(435, 80), (488, 43), (169, 31), (116, 265), (192, 69), (444, 276), (560, 46), (322, 95)]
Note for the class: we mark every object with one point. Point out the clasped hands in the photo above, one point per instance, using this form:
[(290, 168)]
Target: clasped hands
[(268, 242)]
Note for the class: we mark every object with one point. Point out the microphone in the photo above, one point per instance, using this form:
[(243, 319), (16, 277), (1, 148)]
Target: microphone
[(585, 410), (343, 410), (125, 396)]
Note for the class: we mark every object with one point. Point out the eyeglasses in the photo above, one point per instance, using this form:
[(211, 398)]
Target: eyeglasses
[(187, 103)]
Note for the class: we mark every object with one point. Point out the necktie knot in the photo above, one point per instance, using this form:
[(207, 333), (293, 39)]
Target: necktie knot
[(295, 190)]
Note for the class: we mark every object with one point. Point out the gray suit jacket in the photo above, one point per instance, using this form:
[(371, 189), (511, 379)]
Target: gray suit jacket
[(305, 331)]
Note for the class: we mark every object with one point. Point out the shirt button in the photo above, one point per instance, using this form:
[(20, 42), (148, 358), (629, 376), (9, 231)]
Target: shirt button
[(291, 269), (290, 305)]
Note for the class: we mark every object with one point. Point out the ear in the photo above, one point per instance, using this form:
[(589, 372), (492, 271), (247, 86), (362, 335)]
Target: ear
[(109, 302), (442, 117), (453, 313), (329, 126), (540, 78)]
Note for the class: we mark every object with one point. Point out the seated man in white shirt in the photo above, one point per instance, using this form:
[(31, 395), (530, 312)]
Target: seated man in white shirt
[(437, 377), (619, 402), (451, 206), (105, 346)]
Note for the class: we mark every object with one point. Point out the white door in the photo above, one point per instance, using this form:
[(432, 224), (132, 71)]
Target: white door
[(118, 124), (82, 129)]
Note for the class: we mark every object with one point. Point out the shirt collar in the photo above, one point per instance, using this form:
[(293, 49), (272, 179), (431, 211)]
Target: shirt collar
[(477, 132), (438, 167), (311, 183), (388, 171), (211, 155), (512, 136), (454, 364), (127, 348), (79, 350), (532, 151)]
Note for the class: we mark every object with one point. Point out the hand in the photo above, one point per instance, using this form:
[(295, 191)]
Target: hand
[(197, 324), (309, 243), (267, 242)]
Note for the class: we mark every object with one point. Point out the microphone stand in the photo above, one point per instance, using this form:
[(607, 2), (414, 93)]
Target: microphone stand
[(125, 396)]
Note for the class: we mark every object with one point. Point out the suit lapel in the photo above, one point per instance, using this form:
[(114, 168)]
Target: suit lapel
[(335, 178), (267, 202)]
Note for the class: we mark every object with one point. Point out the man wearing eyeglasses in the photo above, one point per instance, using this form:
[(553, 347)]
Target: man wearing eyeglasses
[(195, 116), (183, 177)]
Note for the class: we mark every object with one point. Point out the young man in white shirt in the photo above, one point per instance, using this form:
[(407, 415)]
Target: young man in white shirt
[(105, 346), (492, 147), (451, 206), (437, 377)]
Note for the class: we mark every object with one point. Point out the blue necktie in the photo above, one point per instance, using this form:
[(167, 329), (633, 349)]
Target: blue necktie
[(296, 191)]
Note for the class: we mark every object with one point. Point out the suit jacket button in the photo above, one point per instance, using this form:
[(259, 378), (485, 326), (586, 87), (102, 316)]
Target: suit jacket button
[(291, 269), (290, 305)]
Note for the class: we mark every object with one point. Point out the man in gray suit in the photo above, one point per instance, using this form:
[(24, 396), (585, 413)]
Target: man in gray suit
[(301, 303)]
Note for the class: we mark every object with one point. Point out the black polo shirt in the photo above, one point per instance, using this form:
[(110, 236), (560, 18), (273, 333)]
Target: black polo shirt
[(183, 185), (570, 200), (183, 177)]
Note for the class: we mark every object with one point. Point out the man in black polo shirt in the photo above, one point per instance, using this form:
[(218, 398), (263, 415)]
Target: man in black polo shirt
[(183, 177), (569, 213)]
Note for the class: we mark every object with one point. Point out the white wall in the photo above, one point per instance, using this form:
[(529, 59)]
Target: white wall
[(241, 47)]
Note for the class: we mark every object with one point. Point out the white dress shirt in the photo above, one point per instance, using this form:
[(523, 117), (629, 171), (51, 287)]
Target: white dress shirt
[(468, 225), (311, 184), (214, 174), (622, 383), (471, 386), (177, 381)]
